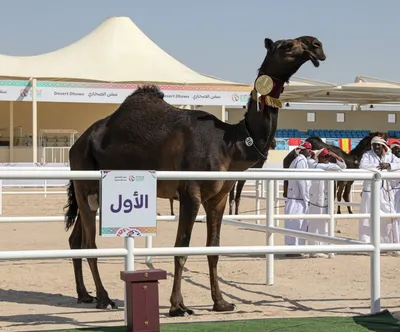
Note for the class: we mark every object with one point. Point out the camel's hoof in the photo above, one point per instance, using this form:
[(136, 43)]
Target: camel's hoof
[(87, 299), (106, 304), (339, 212), (180, 311), (224, 306), (351, 212)]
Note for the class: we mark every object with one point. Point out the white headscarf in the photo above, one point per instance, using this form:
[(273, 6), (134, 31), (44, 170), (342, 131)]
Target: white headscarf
[(381, 141), (396, 143)]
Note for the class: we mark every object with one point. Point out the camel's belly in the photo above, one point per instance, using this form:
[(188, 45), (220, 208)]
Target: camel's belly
[(167, 189)]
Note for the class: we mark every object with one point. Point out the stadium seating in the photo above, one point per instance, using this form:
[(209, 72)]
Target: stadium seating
[(325, 133), (345, 139), (394, 133)]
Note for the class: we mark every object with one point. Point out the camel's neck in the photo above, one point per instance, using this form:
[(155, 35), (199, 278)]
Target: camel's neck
[(360, 149), (261, 119), (257, 131), (258, 128)]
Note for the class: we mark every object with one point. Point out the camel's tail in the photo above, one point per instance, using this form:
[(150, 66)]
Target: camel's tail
[(72, 205)]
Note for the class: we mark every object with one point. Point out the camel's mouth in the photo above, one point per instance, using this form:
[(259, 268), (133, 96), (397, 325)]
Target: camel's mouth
[(314, 60)]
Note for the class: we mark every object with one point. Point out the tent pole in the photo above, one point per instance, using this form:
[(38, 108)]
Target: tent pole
[(34, 121), (11, 141), (223, 114)]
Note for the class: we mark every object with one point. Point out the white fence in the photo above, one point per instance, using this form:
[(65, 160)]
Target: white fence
[(43, 186), (337, 245)]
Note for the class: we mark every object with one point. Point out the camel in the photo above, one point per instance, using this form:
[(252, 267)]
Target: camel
[(351, 159), (235, 200), (147, 133)]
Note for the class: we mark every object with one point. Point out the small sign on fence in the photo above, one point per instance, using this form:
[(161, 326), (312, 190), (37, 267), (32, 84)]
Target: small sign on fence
[(128, 203)]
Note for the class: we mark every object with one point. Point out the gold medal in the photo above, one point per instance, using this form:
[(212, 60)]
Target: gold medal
[(264, 85)]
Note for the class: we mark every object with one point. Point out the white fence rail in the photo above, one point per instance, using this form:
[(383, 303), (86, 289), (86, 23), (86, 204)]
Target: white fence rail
[(269, 176)]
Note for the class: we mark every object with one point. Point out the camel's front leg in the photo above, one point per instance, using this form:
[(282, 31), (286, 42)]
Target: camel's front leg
[(188, 208), (214, 209)]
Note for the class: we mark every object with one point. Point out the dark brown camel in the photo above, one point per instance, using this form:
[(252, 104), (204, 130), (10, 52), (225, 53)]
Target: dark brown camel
[(147, 133), (351, 159), (235, 200)]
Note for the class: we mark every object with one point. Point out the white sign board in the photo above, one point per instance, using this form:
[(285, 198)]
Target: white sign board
[(128, 203)]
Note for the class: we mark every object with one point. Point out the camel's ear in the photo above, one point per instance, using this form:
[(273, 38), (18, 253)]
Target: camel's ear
[(269, 44)]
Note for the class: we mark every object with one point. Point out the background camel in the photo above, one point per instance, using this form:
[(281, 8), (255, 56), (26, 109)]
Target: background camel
[(184, 141), (351, 159)]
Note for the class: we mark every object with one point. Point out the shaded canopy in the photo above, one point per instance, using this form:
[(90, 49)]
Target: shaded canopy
[(365, 90), (116, 51)]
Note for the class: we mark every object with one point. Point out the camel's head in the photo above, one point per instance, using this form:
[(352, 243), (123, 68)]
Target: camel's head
[(377, 133), (284, 57)]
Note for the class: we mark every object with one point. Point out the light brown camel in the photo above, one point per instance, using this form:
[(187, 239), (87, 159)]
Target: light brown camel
[(185, 140)]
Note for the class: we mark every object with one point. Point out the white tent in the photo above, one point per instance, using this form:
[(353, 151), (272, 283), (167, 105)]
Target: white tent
[(301, 88), (116, 51), (364, 91)]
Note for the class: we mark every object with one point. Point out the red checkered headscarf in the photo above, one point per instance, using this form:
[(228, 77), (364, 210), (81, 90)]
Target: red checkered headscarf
[(303, 146)]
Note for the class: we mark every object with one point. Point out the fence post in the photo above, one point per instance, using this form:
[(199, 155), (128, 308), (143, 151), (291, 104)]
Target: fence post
[(331, 211), (270, 222), (276, 200), (129, 266), (258, 199), (375, 256), (148, 259), (1, 196)]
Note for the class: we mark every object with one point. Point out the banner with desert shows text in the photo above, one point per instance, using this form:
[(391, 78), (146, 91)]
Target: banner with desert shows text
[(112, 93)]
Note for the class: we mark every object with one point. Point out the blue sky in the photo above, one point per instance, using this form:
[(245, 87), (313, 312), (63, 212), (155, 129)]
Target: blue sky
[(223, 38)]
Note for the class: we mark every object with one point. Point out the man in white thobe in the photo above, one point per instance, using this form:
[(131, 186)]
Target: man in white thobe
[(379, 158), (395, 147), (319, 194), (298, 197)]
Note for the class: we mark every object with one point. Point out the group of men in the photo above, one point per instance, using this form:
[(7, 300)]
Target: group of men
[(311, 196)]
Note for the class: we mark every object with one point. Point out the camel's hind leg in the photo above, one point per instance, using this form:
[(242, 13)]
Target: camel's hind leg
[(189, 204), (346, 195), (340, 187), (88, 220), (171, 205), (75, 242), (232, 199), (239, 189), (215, 209)]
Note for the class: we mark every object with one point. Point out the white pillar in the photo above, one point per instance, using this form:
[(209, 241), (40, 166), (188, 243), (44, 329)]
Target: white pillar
[(34, 122), (11, 124), (223, 115)]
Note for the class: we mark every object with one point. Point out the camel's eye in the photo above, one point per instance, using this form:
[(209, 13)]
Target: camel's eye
[(288, 47)]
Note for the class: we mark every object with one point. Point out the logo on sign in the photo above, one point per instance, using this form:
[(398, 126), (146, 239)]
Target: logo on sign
[(127, 231), (235, 97), (131, 178)]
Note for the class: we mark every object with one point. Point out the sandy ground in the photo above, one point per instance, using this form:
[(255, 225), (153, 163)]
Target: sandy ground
[(40, 295)]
